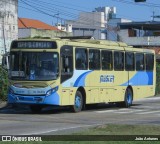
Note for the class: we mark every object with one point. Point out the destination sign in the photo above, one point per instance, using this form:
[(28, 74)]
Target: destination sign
[(34, 45)]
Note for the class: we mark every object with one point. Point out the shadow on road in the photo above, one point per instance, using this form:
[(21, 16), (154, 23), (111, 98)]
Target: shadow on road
[(19, 109)]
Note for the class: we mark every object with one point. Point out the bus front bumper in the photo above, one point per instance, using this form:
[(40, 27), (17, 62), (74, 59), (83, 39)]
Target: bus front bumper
[(53, 99)]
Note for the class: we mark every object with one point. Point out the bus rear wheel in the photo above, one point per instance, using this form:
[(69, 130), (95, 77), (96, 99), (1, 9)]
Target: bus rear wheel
[(78, 102), (127, 99)]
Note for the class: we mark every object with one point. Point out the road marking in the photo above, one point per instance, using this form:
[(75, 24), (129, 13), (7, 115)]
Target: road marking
[(130, 111), (149, 98), (105, 111), (124, 110), (149, 112)]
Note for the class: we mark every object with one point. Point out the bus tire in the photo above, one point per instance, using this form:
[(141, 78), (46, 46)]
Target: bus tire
[(78, 102), (35, 109), (128, 98)]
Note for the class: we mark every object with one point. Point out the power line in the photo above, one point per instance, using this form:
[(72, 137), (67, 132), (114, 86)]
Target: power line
[(138, 4), (52, 10), (40, 10), (86, 19)]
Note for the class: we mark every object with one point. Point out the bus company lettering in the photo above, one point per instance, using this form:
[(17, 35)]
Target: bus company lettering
[(107, 78)]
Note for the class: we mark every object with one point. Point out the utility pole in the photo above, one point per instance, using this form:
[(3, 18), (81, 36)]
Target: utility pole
[(4, 38), (2, 16)]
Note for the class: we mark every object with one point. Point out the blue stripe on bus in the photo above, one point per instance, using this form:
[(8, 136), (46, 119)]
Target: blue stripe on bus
[(140, 78), (81, 79)]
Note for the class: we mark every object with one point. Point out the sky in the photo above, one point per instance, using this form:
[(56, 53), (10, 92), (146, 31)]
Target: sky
[(52, 11)]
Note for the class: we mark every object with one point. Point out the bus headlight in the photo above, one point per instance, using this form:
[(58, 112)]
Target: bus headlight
[(53, 90)]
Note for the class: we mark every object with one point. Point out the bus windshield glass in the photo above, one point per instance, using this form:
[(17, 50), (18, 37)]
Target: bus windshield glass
[(34, 66)]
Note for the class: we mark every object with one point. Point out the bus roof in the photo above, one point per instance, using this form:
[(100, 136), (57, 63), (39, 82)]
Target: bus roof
[(102, 42), (90, 42)]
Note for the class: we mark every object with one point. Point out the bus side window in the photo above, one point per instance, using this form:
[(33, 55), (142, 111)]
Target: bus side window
[(81, 58), (129, 61), (149, 62), (107, 60), (139, 61), (118, 61), (94, 59)]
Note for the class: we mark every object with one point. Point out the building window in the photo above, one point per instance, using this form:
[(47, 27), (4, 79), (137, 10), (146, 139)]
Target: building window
[(107, 60), (119, 61), (94, 59), (139, 61)]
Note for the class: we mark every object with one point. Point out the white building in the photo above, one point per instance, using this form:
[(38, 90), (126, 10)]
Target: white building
[(8, 24), (93, 23)]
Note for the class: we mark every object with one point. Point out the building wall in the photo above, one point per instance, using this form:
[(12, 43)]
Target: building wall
[(101, 24), (8, 24), (24, 33), (87, 32), (139, 41), (112, 28), (89, 24)]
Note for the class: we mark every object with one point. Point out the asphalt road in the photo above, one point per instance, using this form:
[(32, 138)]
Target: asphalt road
[(19, 121)]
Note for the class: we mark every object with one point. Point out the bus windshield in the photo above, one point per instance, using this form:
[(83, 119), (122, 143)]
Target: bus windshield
[(34, 65)]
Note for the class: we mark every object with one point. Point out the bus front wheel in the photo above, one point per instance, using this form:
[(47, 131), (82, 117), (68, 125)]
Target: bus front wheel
[(128, 98), (35, 109), (78, 102)]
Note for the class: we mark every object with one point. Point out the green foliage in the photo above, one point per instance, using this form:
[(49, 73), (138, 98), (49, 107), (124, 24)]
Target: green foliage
[(3, 84), (158, 79)]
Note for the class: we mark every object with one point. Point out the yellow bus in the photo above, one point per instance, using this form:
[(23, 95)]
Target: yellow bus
[(77, 72)]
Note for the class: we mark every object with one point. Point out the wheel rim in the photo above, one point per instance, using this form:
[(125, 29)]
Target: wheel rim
[(78, 102)]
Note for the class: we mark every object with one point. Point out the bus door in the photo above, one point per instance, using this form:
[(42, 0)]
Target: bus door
[(94, 96), (120, 77), (130, 68), (66, 74), (106, 76), (94, 66), (140, 74)]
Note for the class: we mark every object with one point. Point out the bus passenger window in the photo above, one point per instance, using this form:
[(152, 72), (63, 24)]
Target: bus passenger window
[(149, 62), (81, 58), (139, 61), (107, 61), (119, 61), (94, 59), (129, 61)]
